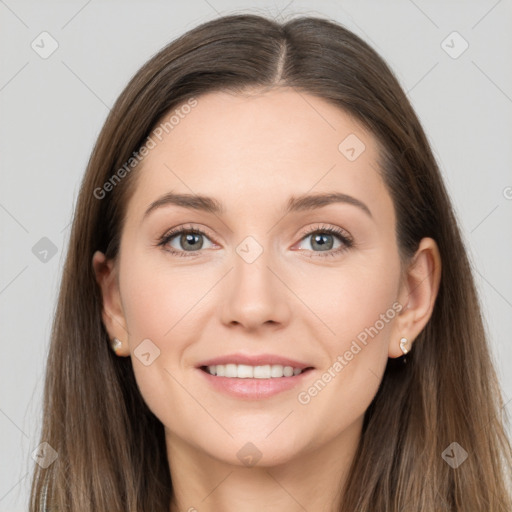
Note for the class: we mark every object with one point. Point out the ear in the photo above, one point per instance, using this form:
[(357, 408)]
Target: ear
[(112, 313), (417, 295)]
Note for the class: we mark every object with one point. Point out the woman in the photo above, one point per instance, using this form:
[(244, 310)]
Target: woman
[(264, 240)]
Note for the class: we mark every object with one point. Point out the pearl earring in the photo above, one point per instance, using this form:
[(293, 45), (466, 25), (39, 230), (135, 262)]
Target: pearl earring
[(116, 344), (403, 348)]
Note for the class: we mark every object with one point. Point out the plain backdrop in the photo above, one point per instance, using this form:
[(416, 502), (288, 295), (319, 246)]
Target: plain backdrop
[(53, 106)]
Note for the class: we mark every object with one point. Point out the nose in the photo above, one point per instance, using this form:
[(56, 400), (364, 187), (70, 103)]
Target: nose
[(255, 294)]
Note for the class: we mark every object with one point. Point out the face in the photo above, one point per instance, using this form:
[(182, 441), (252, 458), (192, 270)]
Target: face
[(265, 278)]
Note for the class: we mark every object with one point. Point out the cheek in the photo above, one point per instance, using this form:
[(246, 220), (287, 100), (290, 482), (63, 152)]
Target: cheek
[(355, 302), (159, 306), (156, 300), (360, 307)]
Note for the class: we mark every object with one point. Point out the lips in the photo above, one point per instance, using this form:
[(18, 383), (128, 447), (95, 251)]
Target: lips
[(248, 388), (253, 388)]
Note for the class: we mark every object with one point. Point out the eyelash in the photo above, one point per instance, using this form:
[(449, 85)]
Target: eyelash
[(346, 240)]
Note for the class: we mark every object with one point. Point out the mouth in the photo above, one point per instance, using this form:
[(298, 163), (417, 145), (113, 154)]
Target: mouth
[(249, 383)]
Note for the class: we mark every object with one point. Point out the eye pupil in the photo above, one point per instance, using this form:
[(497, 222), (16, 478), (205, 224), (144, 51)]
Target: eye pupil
[(320, 239), (191, 238)]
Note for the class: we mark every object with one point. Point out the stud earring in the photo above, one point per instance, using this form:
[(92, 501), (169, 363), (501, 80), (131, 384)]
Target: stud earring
[(116, 344), (403, 348)]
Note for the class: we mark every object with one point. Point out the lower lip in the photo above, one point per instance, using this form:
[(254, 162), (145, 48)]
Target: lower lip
[(254, 389)]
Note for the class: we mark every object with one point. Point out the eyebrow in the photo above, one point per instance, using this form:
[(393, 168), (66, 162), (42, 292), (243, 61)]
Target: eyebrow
[(295, 204)]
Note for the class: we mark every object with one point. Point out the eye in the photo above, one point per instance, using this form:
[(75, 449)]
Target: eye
[(322, 239), (183, 240)]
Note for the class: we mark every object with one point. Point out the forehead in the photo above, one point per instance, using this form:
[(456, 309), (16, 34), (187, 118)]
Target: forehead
[(261, 147)]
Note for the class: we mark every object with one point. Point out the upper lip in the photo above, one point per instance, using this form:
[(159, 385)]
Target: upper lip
[(254, 360)]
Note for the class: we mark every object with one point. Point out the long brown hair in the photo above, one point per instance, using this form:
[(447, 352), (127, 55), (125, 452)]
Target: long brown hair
[(110, 446)]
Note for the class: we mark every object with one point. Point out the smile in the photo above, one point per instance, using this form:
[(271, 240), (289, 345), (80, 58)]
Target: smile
[(245, 382)]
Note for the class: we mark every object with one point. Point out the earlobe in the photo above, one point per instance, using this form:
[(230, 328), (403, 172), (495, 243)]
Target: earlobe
[(419, 292), (112, 310)]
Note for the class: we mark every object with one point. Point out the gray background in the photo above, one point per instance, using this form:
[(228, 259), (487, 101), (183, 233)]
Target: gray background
[(52, 110)]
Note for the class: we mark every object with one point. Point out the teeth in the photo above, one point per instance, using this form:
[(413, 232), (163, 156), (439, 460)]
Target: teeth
[(244, 371)]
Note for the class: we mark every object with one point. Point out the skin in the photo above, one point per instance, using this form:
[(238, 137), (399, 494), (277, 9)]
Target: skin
[(252, 152)]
